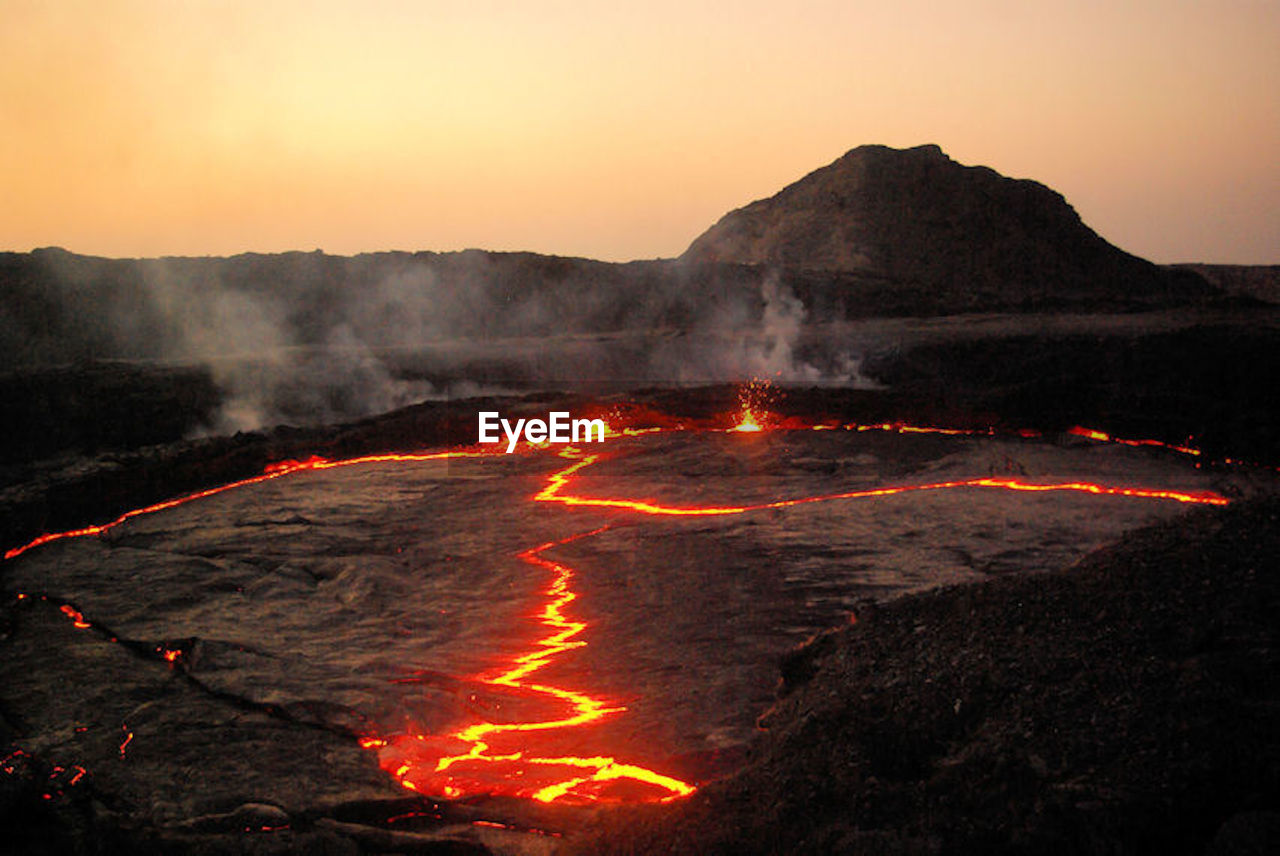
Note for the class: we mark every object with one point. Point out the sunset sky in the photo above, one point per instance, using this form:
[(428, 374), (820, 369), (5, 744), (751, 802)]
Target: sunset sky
[(612, 130)]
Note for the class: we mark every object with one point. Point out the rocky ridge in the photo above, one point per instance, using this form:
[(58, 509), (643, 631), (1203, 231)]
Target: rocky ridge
[(917, 218)]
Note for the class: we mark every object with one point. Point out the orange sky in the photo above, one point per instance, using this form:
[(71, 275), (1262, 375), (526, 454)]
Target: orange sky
[(148, 128)]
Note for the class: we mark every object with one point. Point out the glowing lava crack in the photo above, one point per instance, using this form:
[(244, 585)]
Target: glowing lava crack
[(530, 775), (503, 757), (558, 481)]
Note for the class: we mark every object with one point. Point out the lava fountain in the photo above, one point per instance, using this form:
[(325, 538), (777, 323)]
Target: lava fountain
[(754, 400)]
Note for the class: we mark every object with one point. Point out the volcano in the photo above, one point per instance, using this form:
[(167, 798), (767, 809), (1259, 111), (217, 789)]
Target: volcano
[(917, 219)]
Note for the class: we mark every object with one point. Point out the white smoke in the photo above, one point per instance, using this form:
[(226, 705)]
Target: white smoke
[(305, 338), (267, 374), (738, 341)]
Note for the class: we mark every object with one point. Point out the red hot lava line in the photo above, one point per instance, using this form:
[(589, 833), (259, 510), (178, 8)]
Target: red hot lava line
[(1104, 437), (272, 471), (558, 481), (490, 757), (421, 762)]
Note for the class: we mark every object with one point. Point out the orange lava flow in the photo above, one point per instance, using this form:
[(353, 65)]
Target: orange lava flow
[(77, 619), (904, 428), (556, 483), (272, 471), (523, 774), (1103, 437)]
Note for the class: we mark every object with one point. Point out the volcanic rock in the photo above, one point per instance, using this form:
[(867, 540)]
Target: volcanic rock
[(1256, 282), (963, 233), (1123, 705)]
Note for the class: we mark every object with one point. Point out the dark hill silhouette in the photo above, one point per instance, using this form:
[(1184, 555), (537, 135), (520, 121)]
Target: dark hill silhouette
[(1258, 282), (880, 232), (965, 236), (307, 338)]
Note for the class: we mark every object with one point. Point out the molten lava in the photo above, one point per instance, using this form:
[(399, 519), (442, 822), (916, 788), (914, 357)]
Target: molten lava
[(754, 399), (529, 756), (522, 773), (1103, 437), (76, 618), (272, 471), (557, 482)]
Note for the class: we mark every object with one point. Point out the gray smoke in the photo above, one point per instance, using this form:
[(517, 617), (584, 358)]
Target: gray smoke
[(308, 338), (745, 339), (268, 372)]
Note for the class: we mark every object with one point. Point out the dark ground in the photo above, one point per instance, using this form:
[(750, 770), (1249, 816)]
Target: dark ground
[(1124, 705)]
